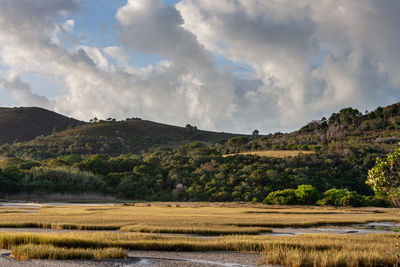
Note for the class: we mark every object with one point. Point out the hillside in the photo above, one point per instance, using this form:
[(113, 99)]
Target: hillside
[(26, 123), (113, 138), (122, 159), (346, 132)]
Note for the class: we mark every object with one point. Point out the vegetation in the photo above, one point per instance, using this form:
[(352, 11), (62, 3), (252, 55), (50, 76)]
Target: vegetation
[(190, 218), (325, 163), (384, 178), (306, 250), (273, 153), (304, 194), (204, 230), (191, 173), (111, 138), (342, 197), (233, 226), (50, 252), (123, 159)]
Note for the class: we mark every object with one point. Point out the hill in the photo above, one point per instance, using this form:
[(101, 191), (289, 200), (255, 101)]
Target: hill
[(26, 123), (336, 154), (113, 138), (346, 132)]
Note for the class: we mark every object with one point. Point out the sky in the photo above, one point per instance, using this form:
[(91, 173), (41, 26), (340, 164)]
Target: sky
[(226, 65)]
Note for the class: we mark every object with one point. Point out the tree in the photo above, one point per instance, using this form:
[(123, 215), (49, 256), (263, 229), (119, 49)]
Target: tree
[(384, 178), (256, 133), (191, 128)]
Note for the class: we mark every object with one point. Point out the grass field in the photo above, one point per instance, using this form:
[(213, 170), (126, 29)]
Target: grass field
[(304, 250), (274, 153), (233, 226), (203, 216)]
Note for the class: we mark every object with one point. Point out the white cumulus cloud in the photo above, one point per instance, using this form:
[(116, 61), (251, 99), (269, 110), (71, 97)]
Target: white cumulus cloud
[(308, 58)]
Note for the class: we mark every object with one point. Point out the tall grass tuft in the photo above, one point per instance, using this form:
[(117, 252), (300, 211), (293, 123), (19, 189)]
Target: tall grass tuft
[(50, 252), (328, 258)]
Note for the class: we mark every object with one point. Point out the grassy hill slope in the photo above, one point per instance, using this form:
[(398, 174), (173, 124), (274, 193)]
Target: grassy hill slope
[(26, 123)]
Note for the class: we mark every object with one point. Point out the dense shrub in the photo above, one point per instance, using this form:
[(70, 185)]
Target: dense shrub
[(281, 197), (62, 180), (306, 194), (341, 197)]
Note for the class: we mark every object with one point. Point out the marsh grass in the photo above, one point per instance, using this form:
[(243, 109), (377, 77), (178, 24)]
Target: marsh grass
[(328, 258), (346, 251), (303, 250), (134, 241), (60, 226), (201, 216), (236, 226), (50, 252), (227, 230)]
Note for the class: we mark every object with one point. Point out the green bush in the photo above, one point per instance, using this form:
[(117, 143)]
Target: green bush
[(340, 197), (304, 195), (307, 194), (281, 197)]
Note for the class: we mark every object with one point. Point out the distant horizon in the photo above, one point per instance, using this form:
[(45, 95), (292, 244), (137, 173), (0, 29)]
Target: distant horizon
[(225, 66)]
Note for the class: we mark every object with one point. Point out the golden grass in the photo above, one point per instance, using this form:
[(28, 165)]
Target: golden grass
[(302, 250), (60, 226), (234, 218), (25, 252), (328, 258), (273, 153), (173, 242), (227, 230), (349, 251), (236, 224)]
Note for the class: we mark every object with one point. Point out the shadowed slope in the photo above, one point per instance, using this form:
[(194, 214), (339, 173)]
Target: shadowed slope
[(26, 123), (114, 138)]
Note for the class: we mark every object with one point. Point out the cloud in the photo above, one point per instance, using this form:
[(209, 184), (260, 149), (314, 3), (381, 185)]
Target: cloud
[(308, 58), (22, 92), (353, 42), (200, 92), (180, 90)]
